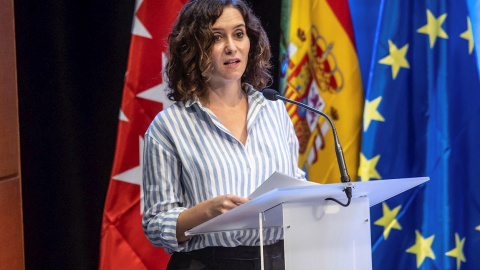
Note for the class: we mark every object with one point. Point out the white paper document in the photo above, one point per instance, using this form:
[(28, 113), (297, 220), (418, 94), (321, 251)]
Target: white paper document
[(279, 180)]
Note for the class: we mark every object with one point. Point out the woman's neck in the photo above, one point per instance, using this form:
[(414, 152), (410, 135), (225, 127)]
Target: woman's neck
[(226, 95)]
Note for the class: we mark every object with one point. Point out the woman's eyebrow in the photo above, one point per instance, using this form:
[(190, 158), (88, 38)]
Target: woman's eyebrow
[(235, 27)]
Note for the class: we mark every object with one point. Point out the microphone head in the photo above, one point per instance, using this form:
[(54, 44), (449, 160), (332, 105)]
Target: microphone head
[(270, 94)]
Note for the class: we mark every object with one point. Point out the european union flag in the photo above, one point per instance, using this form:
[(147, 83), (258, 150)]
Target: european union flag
[(422, 118)]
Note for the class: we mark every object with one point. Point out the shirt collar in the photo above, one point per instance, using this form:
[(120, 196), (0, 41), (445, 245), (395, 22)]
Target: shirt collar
[(190, 102), (253, 95)]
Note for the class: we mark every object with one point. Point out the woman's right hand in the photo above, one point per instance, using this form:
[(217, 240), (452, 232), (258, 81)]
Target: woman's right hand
[(222, 204), (205, 211)]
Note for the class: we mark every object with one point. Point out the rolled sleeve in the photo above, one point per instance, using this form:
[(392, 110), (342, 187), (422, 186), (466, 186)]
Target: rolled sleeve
[(161, 230), (163, 195)]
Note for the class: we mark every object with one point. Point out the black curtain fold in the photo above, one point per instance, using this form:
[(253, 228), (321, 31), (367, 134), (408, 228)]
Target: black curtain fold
[(71, 58)]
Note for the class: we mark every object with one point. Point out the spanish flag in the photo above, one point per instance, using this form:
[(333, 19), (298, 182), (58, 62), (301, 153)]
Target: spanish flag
[(320, 68)]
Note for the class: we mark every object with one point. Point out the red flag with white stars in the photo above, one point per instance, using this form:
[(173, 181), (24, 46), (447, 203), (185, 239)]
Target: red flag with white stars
[(123, 243)]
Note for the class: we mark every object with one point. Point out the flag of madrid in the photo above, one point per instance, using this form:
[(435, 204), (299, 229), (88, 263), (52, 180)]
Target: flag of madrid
[(123, 243)]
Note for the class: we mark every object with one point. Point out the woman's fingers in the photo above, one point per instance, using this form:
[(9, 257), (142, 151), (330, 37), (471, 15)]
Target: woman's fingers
[(225, 203)]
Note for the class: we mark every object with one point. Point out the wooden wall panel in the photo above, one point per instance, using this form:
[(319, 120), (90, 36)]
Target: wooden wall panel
[(9, 145), (11, 224)]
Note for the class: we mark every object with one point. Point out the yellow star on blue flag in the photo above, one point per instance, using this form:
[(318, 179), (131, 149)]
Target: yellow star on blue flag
[(433, 28), (468, 35), (396, 58), (457, 252), (389, 220), (422, 248)]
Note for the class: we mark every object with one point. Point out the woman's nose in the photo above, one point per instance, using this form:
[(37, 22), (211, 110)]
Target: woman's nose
[(230, 47)]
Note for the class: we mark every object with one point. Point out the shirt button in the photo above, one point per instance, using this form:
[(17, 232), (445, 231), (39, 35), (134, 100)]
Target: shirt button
[(248, 170)]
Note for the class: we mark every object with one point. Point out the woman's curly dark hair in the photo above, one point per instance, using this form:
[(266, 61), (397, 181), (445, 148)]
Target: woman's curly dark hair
[(190, 45)]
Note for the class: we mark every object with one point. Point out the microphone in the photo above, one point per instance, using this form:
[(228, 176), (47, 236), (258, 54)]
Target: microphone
[(273, 95)]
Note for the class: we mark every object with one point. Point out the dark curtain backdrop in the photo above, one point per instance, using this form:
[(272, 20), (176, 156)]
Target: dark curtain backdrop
[(72, 57)]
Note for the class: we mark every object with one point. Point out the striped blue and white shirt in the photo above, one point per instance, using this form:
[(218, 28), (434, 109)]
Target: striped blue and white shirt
[(190, 157)]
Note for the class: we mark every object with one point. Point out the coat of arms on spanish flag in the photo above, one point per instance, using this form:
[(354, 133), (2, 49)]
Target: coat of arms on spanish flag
[(320, 68)]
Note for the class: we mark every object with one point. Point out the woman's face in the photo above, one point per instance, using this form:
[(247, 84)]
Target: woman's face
[(231, 47)]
